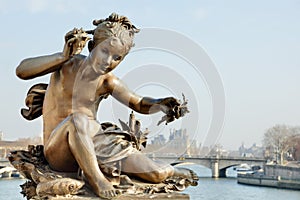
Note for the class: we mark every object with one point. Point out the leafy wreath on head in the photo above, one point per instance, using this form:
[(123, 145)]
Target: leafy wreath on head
[(110, 22)]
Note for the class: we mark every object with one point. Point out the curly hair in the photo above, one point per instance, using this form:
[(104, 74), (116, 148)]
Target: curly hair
[(113, 26)]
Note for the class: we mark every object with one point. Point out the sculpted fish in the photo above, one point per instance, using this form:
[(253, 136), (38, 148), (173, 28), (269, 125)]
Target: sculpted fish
[(61, 186)]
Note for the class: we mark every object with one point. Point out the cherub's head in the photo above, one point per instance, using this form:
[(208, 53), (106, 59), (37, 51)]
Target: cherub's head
[(113, 38), (113, 26)]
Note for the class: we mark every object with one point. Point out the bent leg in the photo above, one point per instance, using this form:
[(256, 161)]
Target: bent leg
[(139, 165), (71, 144), (57, 150)]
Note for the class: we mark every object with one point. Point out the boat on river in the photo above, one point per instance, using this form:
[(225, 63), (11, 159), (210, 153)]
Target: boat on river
[(9, 172)]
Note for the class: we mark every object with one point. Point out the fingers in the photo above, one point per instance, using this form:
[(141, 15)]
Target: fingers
[(173, 108), (177, 112), (71, 41), (171, 105), (69, 35), (75, 41), (73, 46), (172, 101), (72, 33)]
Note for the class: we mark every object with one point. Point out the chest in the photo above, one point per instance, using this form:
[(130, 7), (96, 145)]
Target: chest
[(71, 85)]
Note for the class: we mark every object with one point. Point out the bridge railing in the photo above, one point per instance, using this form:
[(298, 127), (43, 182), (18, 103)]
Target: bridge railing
[(180, 157)]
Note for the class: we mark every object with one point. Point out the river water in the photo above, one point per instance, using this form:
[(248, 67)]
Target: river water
[(207, 189)]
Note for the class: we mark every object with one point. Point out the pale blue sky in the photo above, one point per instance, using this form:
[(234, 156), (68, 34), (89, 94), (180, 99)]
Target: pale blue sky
[(254, 45)]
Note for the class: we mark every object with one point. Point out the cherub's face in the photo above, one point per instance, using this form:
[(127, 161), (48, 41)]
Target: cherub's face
[(108, 54)]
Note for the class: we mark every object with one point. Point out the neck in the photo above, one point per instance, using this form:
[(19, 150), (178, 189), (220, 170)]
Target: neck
[(88, 72)]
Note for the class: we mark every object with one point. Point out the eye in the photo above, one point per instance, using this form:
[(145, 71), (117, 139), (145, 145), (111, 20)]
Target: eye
[(117, 57), (105, 51), (71, 187)]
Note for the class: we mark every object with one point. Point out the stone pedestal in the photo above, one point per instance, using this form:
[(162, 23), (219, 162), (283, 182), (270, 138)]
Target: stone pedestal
[(44, 182), (172, 196)]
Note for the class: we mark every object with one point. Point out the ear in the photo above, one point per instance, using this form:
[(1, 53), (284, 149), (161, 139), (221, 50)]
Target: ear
[(91, 45)]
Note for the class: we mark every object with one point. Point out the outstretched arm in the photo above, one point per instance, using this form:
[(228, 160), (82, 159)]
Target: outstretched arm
[(39, 66), (144, 105)]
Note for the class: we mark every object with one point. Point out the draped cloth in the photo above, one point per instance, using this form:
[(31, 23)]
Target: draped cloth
[(111, 146), (34, 101)]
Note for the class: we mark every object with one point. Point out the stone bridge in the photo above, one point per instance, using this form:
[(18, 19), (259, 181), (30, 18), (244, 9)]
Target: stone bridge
[(218, 165)]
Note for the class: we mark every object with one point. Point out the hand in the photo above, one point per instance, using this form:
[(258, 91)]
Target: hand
[(75, 41), (170, 106), (173, 109)]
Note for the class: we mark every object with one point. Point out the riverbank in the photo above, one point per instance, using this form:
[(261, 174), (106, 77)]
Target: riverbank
[(278, 176), (267, 181)]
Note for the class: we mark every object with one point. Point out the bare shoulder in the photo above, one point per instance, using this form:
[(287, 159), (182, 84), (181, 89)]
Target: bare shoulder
[(74, 61), (110, 81), (78, 58)]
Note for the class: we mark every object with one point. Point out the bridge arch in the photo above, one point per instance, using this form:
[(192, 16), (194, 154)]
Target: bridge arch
[(222, 171)]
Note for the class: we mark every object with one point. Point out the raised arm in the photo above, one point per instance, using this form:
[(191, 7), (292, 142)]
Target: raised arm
[(39, 66), (29, 68)]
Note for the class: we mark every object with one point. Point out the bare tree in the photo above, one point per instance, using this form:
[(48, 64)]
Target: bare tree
[(281, 139)]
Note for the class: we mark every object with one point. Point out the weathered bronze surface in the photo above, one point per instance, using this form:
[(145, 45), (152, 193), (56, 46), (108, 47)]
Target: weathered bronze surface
[(108, 157)]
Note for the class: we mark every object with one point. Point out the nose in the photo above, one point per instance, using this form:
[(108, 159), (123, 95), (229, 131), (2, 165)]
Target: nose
[(107, 60)]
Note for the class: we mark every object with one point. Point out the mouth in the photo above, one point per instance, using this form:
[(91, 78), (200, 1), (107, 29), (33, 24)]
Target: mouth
[(104, 69), (108, 69)]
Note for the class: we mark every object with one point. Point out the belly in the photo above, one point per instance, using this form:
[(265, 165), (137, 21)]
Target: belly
[(55, 113), (61, 101)]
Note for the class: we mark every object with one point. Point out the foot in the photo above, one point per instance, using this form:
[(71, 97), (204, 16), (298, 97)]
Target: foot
[(106, 190), (109, 194), (188, 174)]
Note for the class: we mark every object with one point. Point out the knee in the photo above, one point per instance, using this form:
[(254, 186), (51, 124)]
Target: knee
[(78, 117), (79, 121)]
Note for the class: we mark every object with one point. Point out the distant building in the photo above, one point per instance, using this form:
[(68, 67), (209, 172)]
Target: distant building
[(21, 144), (253, 151), (7, 146), (178, 144), (218, 150), (234, 153), (179, 141), (159, 140)]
